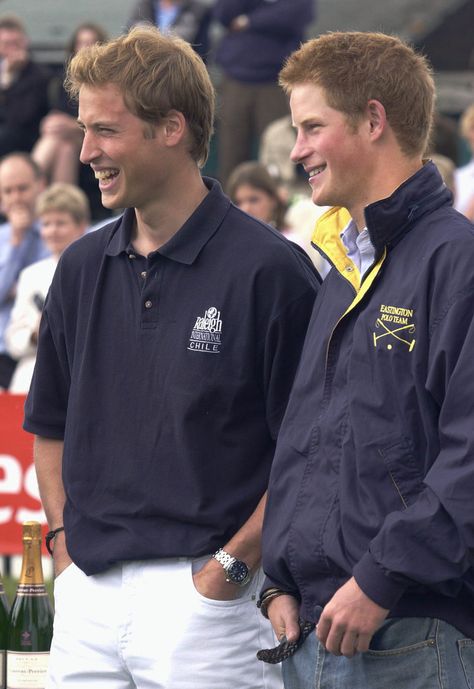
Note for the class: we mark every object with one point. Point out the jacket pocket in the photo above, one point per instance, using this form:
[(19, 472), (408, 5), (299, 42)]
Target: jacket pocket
[(403, 469)]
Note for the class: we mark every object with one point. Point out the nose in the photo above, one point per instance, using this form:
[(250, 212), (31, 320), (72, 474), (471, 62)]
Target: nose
[(299, 150), (89, 149)]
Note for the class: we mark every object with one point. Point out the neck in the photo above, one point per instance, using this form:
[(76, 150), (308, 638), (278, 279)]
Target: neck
[(383, 182), (156, 224)]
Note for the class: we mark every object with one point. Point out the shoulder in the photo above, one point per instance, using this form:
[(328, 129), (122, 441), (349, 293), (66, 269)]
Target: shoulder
[(442, 254), (258, 247)]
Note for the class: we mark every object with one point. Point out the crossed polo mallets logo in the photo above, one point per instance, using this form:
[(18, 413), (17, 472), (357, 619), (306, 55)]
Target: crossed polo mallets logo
[(410, 328)]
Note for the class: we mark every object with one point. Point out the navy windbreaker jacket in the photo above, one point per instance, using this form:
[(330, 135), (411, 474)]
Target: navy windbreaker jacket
[(374, 469)]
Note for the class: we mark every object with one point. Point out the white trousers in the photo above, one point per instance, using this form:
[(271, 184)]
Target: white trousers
[(143, 625)]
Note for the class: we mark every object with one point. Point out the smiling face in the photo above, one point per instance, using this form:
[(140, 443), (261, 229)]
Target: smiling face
[(127, 155), (332, 151)]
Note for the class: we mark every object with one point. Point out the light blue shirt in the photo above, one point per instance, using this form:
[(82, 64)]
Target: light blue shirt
[(165, 17), (12, 261), (360, 249)]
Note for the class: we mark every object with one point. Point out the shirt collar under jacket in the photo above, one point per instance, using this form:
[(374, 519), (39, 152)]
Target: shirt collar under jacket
[(358, 245), (187, 243), (388, 220)]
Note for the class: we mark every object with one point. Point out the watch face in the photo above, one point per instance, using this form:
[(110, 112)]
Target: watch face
[(238, 572)]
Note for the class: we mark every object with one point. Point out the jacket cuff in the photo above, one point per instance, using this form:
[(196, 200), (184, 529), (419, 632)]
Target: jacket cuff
[(376, 584)]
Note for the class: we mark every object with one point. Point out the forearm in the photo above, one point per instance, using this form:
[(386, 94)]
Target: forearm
[(246, 544), (48, 455)]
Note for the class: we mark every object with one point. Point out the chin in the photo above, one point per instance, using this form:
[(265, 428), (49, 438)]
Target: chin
[(111, 204)]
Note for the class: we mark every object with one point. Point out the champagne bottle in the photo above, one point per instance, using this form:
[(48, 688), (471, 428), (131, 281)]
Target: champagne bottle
[(4, 611), (31, 619)]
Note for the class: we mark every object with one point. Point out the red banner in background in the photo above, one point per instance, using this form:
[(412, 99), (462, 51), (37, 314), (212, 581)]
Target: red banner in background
[(19, 495)]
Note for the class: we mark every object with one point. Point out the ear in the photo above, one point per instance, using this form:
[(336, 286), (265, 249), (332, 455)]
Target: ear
[(376, 118), (174, 127)]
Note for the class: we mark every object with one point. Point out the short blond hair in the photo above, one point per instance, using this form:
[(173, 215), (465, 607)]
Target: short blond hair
[(65, 198), (156, 74), (354, 67)]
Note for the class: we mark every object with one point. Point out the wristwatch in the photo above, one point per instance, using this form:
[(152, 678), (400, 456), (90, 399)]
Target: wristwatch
[(236, 571)]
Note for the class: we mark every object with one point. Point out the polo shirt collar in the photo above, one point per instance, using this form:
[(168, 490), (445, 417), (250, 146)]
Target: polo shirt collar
[(186, 244)]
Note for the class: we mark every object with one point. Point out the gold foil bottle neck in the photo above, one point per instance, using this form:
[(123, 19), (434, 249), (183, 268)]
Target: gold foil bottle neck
[(31, 569), (32, 531)]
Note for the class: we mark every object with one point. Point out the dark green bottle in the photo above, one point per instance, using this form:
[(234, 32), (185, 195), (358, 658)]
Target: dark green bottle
[(4, 611), (30, 626)]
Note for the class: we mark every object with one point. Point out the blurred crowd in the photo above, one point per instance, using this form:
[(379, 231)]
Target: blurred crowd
[(49, 198)]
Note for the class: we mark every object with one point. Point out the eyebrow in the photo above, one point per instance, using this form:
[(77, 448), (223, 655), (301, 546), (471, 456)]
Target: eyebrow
[(100, 123)]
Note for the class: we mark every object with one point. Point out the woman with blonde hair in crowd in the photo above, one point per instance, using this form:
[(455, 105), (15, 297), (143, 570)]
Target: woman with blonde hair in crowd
[(64, 214)]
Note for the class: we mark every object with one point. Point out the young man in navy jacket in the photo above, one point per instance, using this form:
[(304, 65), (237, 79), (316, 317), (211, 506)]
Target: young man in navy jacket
[(369, 524)]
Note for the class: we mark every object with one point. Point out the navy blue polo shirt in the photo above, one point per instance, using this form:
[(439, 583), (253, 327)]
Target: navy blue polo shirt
[(167, 377)]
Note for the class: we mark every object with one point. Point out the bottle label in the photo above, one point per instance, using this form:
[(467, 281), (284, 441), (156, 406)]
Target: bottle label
[(26, 670), (31, 590)]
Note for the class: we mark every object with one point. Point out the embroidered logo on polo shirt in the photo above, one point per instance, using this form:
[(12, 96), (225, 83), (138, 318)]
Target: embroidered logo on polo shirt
[(394, 324), (207, 332)]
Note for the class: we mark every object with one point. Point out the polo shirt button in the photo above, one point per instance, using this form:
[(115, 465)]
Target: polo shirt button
[(148, 304), (143, 274), (131, 256), (349, 269)]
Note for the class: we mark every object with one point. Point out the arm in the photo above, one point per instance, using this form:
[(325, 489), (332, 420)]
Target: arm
[(283, 16), (48, 455), (22, 331), (436, 527), (244, 545)]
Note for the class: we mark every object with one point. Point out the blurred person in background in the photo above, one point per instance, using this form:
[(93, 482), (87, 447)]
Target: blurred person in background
[(252, 188), (57, 149), (276, 144), (21, 182), (446, 169), (63, 213), (464, 176), (188, 19), (258, 36), (23, 89)]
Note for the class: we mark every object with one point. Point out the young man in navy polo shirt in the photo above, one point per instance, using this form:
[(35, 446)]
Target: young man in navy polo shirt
[(167, 349), (369, 524)]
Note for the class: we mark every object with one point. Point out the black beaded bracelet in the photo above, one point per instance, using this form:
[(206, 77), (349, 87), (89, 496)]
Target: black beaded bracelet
[(50, 536)]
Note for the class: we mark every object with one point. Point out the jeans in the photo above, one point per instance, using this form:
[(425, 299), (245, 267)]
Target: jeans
[(411, 653)]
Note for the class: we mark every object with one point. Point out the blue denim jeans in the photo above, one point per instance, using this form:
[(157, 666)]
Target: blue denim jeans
[(411, 653)]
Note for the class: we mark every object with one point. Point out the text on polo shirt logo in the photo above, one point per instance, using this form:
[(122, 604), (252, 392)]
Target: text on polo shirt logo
[(207, 331), (394, 324)]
